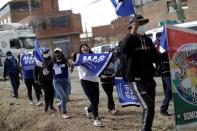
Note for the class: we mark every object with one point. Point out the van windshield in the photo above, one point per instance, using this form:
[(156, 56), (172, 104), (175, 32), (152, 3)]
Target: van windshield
[(28, 43), (105, 49), (193, 28)]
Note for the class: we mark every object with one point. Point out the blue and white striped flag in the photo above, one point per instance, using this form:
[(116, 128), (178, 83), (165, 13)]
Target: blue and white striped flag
[(95, 63), (163, 41), (123, 7), (38, 54)]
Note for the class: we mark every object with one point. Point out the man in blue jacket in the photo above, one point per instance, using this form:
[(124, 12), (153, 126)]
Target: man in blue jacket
[(11, 70)]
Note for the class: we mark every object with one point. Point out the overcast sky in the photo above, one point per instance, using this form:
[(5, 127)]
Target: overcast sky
[(93, 12)]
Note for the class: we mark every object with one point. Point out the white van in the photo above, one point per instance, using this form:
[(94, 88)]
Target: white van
[(103, 48), (156, 32), (16, 38)]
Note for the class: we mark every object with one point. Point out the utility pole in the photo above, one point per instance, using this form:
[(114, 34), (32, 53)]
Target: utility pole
[(86, 33), (180, 11), (30, 15)]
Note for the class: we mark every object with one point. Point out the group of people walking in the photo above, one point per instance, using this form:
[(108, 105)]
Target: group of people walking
[(138, 54), (53, 78)]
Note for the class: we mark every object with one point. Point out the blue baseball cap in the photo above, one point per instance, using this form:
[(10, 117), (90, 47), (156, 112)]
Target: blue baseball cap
[(44, 49)]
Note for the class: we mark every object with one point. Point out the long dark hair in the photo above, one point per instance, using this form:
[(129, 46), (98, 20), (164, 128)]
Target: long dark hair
[(90, 51), (64, 59)]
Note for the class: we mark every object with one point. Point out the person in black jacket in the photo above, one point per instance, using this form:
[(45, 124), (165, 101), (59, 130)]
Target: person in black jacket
[(140, 54), (11, 69), (44, 79), (107, 82), (165, 74)]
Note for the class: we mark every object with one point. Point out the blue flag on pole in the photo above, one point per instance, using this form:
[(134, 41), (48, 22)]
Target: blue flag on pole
[(95, 63), (37, 54), (163, 41), (123, 7), (125, 93)]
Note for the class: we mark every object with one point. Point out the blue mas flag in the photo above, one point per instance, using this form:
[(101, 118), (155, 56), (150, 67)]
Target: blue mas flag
[(123, 7), (38, 54), (27, 61), (163, 41), (125, 93), (95, 63)]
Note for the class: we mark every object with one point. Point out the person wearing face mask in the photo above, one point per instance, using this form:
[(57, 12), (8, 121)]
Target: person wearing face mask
[(140, 54), (60, 80), (11, 69), (47, 79)]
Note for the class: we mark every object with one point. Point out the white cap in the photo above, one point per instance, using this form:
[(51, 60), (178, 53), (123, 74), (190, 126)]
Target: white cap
[(57, 49)]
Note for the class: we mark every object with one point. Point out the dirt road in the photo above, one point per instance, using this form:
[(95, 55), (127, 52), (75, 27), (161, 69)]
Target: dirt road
[(18, 115)]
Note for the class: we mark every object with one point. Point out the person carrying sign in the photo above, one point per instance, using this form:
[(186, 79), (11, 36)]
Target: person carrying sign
[(11, 69), (140, 54), (27, 62)]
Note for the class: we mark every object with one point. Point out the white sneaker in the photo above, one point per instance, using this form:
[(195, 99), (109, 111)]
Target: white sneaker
[(88, 114), (97, 123), (39, 103), (31, 102), (114, 111), (65, 116)]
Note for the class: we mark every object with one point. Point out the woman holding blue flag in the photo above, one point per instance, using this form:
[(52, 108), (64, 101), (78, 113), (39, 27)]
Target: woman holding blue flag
[(90, 85)]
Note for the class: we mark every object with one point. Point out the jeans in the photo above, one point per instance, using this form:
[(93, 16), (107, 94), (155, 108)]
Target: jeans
[(108, 88), (61, 88), (29, 83), (168, 94), (91, 90), (14, 79), (69, 86)]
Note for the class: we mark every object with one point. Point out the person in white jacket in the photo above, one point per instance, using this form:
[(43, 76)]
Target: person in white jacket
[(90, 86)]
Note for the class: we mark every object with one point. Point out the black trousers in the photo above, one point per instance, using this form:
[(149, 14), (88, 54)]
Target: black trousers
[(29, 83), (145, 92), (48, 94), (108, 88), (14, 79), (91, 90)]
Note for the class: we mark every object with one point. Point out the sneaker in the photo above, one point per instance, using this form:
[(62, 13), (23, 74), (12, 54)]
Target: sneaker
[(165, 113), (52, 109), (88, 114), (39, 103), (114, 111), (65, 116), (97, 123), (31, 102)]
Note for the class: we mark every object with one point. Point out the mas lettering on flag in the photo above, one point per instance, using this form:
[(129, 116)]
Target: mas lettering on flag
[(95, 63)]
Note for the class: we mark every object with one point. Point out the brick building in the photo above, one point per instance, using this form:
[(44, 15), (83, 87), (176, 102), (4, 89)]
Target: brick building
[(103, 34), (51, 26), (156, 10)]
